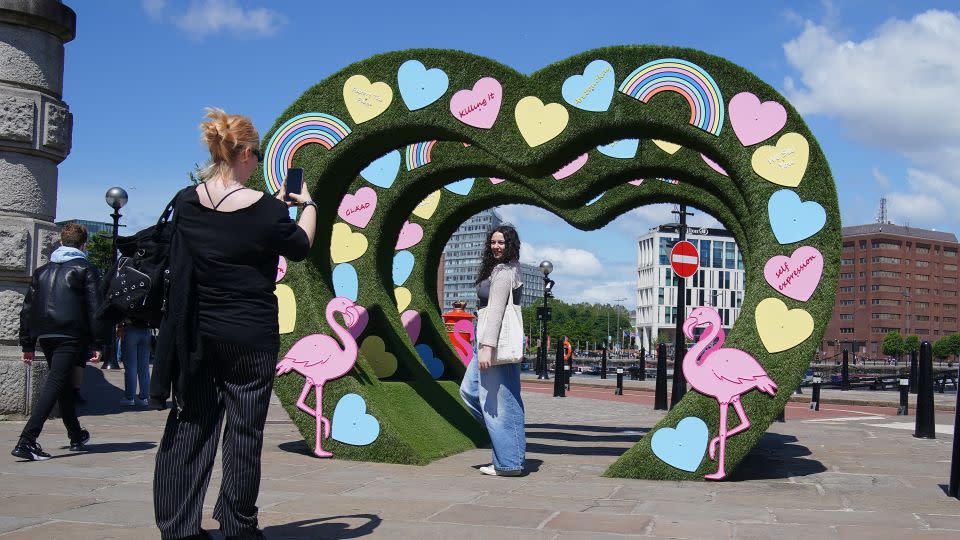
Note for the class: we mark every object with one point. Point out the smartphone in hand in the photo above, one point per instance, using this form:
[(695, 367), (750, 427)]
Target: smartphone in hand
[(294, 182)]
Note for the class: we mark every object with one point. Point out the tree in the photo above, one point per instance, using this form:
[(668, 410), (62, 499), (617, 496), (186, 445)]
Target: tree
[(196, 175), (893, 345), (954, 342), (912, 343), (100, 251), (941, 348)]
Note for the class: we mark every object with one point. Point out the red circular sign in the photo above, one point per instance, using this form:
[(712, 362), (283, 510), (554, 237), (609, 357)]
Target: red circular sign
[(684, 259)]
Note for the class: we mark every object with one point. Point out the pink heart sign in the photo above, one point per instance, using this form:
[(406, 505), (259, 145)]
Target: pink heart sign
[(713, 165), (753, 121), (357, 209), (410, 235), (478, 107), (411, 323), (361, 323), (571, 167), (796, 276)]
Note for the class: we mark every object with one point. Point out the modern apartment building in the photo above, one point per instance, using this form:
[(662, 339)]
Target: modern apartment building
[(461, 262), (893, 278), (719, 282)]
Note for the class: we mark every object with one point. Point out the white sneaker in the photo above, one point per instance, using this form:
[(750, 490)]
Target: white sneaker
[(141, 402), (490, 471), (127, 401)]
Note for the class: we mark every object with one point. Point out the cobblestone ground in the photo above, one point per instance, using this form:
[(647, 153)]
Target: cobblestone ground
[(853, 474)]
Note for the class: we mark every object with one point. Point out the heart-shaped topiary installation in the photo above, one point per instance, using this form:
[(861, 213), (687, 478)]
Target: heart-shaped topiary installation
[(412, 143)]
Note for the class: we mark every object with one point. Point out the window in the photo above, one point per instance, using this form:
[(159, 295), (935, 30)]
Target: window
[(886, 316), (862, 288), (726, 280), (704, 253), (848, 246), (846, 316), (863, 302), (863, 244), (949, 293), (885, 244), (921, 248), (949, 319), (861, 274), (922, 317), (949, 281), (660, 296), (846, 302), (883, 274), (884, 302), (949, 307), (863, 260), (922, 290), (923, 264), (718, 254), (922, 331), (949, 268), (846, 289), (921, 305), (739, 260), (846, 330), (666, 244), (885, 288), (846, 275), (888, 260), (846, 262), (923, 277), (949, 253)]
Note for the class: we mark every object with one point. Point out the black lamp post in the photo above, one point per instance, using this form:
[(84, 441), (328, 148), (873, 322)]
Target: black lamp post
[(544, 315), (116, 198)]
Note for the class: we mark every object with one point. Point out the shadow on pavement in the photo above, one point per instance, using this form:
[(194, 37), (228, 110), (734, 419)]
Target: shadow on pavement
[(776, 456), (102, 396), (611, 441), (324, 528), (298, 446), (593, 429)]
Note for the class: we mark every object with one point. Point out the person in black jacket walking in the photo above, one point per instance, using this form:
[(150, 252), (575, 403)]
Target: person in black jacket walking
[(58, 314)]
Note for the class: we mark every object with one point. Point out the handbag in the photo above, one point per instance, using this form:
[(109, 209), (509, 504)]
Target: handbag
[(510, 343)]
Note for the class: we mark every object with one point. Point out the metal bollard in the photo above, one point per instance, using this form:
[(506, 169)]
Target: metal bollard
[(619, 390), (925, 427), (643, 365), (845, 372), (566, 374), (559, 387), (660, 400), (913, 371), (603, 362), (954, 487), (903, 409), (815, 399), (679, 381)]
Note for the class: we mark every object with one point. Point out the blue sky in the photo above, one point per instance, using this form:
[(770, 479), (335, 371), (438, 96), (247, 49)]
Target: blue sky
[(139, 74)]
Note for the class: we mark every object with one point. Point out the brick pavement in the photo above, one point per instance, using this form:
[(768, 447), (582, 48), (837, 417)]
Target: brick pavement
[(854, 476)]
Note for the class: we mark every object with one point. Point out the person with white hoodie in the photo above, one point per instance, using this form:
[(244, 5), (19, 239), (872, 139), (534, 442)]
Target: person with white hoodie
[(58, 315)]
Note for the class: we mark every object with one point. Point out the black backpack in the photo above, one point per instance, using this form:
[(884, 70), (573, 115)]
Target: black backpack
[(136, 288)]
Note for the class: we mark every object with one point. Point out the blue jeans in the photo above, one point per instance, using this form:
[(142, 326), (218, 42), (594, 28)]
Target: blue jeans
[(493, 396), (136, 362)]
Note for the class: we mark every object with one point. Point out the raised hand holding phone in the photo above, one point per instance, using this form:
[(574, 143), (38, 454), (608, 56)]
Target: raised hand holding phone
[(293, 184)]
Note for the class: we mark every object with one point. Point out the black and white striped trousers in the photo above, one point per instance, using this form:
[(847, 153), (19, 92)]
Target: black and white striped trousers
[(236, 379)]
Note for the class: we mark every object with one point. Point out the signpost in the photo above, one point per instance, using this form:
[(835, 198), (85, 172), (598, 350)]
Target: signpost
[(684, 260)]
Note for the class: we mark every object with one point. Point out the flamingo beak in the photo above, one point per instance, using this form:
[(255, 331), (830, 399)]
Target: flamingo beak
[(689, 325)]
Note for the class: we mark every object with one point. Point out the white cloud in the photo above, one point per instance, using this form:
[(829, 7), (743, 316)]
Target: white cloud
[(154, 8), (881, 178), (895, 90), (569, 261), (207, 17)]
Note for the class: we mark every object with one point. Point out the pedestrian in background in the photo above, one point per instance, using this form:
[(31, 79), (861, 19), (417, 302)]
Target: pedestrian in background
[(221, 331), (135, 340), (491, 385), (58, 315)]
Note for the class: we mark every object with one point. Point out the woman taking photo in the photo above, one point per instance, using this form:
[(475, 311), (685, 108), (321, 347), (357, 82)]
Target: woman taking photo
[(221, 329), (491, 385)]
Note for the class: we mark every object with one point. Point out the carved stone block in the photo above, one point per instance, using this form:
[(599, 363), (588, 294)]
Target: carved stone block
[(13, 246), (17, 118), (58, 125)]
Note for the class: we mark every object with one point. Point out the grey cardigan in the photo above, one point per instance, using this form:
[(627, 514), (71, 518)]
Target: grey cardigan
[(503, 280)]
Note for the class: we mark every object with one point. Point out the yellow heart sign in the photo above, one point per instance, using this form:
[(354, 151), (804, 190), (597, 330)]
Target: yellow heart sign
[(781, 328), (785, 163), (668, 147), (384, 364), (403, 296), (428, 206), (366, 100), (538, 123), (287, 303), (346, 245)]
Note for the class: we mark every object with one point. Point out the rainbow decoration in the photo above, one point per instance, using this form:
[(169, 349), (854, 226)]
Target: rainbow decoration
[(418, 155), (685, 78), (312, 127)]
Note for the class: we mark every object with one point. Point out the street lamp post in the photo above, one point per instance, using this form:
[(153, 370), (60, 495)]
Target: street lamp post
[(620, 337), (116, 198), (543, 315)]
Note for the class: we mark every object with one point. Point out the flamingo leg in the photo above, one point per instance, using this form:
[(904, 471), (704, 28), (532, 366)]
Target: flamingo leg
[(721, 473), (744, 424), (302, 403), (323, 426)]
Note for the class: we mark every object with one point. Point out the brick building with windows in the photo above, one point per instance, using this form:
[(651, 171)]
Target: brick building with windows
[(893, 279)]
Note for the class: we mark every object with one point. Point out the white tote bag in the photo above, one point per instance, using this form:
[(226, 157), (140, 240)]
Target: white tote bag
[(510, 344)]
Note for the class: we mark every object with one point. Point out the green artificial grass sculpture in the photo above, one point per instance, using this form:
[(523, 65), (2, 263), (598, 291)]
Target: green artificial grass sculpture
[(409, 144)]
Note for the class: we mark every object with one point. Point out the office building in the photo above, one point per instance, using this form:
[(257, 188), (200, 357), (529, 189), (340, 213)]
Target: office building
[(461, 262), (719, 282), (893, 278)]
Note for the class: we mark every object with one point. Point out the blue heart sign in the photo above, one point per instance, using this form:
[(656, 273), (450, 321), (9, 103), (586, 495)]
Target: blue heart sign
[(682, 447)]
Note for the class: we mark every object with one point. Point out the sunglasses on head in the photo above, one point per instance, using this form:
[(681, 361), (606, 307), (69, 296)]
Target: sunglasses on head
[(259, 155)]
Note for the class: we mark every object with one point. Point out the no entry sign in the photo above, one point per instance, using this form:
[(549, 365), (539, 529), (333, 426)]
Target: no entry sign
[(684, 259)]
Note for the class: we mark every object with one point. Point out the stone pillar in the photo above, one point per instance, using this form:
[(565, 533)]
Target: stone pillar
[(35, 135)]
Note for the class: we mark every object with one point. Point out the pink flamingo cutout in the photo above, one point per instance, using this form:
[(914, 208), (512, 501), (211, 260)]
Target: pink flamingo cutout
[(464, 348), (724, 374), (319, 358)]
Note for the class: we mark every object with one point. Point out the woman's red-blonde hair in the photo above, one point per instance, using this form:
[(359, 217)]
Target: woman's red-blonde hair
[(226, 135)]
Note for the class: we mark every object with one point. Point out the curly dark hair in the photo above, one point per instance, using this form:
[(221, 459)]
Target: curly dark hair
[(511, 253)]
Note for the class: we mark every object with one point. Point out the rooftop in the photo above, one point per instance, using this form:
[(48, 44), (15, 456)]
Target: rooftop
[(898, 230)]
